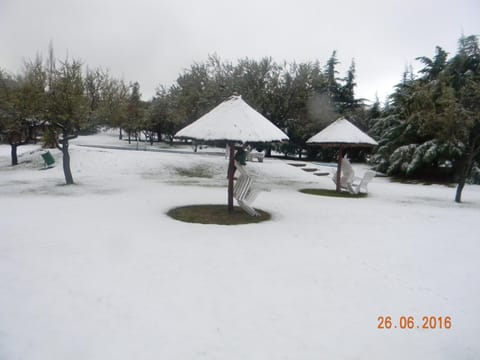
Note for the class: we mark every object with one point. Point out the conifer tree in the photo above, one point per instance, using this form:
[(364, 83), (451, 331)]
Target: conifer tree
[(433, 122)]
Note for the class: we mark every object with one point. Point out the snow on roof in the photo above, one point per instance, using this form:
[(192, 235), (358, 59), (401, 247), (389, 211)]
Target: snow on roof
[(342, 131), (233, 120)]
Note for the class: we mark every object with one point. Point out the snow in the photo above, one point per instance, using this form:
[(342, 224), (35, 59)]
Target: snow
[(97, 270), (5, 151), (233, 120), (341, 131)]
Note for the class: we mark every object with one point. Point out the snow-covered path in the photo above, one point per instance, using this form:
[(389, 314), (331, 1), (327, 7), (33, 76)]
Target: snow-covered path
[(98, 271)]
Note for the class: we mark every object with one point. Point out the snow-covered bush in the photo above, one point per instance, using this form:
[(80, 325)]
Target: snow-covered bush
[(400, 159), (474, 177), (429, 158)]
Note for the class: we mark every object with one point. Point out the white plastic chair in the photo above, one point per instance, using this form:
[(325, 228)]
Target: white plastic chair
[(255, 155), (347, 176), (363, 182), (244, 191)]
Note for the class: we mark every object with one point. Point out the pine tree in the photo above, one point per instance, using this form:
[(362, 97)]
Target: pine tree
[(331, 76), (346, 97), (433, 121)]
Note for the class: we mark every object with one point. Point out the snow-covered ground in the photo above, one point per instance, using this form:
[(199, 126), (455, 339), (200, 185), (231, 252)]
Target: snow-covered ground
[(97, 270)]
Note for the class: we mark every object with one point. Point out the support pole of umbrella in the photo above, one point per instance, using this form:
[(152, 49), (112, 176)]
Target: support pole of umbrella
[(339, 167), (231, 169)]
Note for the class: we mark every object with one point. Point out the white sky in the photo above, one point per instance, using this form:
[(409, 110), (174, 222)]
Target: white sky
[(153, 41)]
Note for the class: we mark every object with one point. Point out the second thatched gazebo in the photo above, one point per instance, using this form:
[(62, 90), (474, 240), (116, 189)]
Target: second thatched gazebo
[(342, 134)]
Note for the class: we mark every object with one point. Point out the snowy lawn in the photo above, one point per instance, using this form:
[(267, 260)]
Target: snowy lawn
[(97, 270)]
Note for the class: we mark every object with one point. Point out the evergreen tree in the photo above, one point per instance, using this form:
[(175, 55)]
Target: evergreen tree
[(331, 76), (376, 109), (346, 102), (432, 125), (433, 67)]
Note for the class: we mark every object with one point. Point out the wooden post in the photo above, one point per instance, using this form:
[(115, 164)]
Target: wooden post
[(339, 167), (231, 167)]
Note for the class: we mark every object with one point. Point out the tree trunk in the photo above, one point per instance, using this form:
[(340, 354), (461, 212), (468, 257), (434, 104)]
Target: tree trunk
[(14, 154), (129, 137), (66, 162), (159, 136), (465, 167), (32, 134), (120, 135), (458, 193)]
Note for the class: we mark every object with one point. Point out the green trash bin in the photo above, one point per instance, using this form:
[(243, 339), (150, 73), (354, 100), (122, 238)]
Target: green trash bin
[(48, 158)]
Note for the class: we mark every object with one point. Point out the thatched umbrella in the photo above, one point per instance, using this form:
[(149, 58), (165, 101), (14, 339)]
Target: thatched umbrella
[(342, 134), (233, 121)]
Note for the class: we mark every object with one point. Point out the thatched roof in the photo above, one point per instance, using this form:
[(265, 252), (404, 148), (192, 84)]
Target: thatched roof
[(342, 132), (233, 120)]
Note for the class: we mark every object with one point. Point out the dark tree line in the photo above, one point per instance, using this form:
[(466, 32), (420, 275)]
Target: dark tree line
[(429, 127), (300, 98), (58, 100)]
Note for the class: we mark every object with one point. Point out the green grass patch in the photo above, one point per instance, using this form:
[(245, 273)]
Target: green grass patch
[(216, 214), (332, 193), (198, 171)]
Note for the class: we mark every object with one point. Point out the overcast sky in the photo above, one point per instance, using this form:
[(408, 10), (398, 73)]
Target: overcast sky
[(153, 41)]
